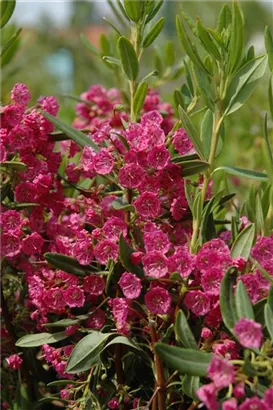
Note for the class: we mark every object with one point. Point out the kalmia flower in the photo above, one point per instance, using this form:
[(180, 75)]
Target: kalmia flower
[(221, 372), (249, 333), (198, 302), (158, 300), (14, 361), (130, 285), (148, 205), (94, 285)]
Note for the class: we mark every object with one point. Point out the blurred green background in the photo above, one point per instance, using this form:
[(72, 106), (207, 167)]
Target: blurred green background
[(52, 60)]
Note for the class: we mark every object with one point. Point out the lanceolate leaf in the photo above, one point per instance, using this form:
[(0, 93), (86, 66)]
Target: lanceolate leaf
[(153, 33), (34, 340), (125, 253), (183, 331), (134, 9), (86, 353), (67, 264), (243, 83), (227, 299), (243, 304), (77, 136), (128, 58), (236, 45), (245, 173), (189, 386), (268, 315), (187, 124), (224, 19), (193, 167), (6, 11), (243, 242), (186, 361), (269, 46), (17, 166), (88, 45), (139, 97), (206, 131)]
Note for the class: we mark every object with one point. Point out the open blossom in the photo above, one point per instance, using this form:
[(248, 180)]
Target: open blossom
[(103, 162), (198, 302), (94, 285), (158, 300), (156, 240), (32, 244), (74, 296), (14, 361), (249, 333), (268, 399), (182, 262), (106, 250), (130, 285), (130, 175), (221, 372), (10, 244), (10, 221), (96, 320), (208, 395), (120, 311), (113, 227), (230, 404), (158, 157), (182, 142), (211, 281), (20, 94), (148, 205), (54, 299), (254, 403), (155, 264)]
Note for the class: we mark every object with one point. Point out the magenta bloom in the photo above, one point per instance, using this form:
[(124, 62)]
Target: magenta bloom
[(155, 264), (253, 404), (10, 244), (20, 94), (221, 372), (120, 311), (182, 261), (207, 395), (74, 296), (131, 175), (54, 299), (249, 333), (94, 285), (10, 221), (268, 398), (32, 244), (158, 157), (181, 142), (96, 320), (198, 302), (148, 205), (130, 285), (158, 300), (103, 162), (106, 250), (14, 361), (113, 227), (156, 240), (230, 404)]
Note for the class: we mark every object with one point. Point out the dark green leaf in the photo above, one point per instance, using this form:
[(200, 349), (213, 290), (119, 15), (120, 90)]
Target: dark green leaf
[(270, 297), (206, 40), (183, 331), (63, 322), (139, 97), (236, 45), (134, 9), (6, 10), (5, 49), (259, 311), (125, 253), (34, 340), (268, 316), (17, 166), (77, 136), (87, 352), (21, 398), (186, 361), (128, 58), (192, 133), (243, 83), (243, 243), (243, 304), (178, 99), (124, 341), (259, 216), (205, 87), (154, 11), (269, 46), (227, 299), (245, 173), (190, 385), (67, 264), (153, 33), (193, 167), (206, 132), (112, 25)]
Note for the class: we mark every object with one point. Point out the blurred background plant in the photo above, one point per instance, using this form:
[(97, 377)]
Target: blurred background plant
[(52, 60)]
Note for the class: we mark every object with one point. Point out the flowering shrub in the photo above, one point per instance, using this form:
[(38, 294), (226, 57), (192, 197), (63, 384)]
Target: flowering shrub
[(123, 285)]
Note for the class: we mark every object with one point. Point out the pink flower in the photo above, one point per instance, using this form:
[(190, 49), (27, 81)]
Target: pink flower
[(230, 404), (10, 244), (206, 333), (151, 117), (32, 244), (158, 300), (113, 227), (120, 311), (21, 137), (74, 296), (239, 390), (249, 333), (106, 250), (96, 319), (221, 372), (182, 262), (268, 399), (130, 285), (13, 114), (182, 142), (198, 302), (49, 104), (148, 205), (207, 395), (113, 403), (155, 264), (14, 361), (211, 280), (20, 94), (253, 404), (103, 162), (158, 157), (26, 192), (94, 285), (137, 138), (130, 175), (179, 207), (136, 257), (10, 221), (156, 240), (54, 299)]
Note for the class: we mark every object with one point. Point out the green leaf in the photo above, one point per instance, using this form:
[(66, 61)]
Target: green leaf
[(120, 206), (188, 46), (86, 352), (270, 297), (169, 53), (224, 19), (243, 304), (206, 91), (105, 44), (125, 341), (139, 97), (243, 83), (6, 10), (268, 316), (186, 361), (154, 11), (5, 49), (77, 136), (236, 45), (267, 151), (63, 322), (245, 173), (16, 165), (112, 25), (67, 264), (197, 207), (125, 253), (153, 33), (206, 132), (269, 46), (190, 384), (112, 60), (259, 216), (88, 45), (39, 339), (193, 167), (270, 95), (179, 99), (192, 133), (134, 9), (206, 40), (128, 58), (227, 299), (183, 331), (21, 398), (243, 243), (258, 309)]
